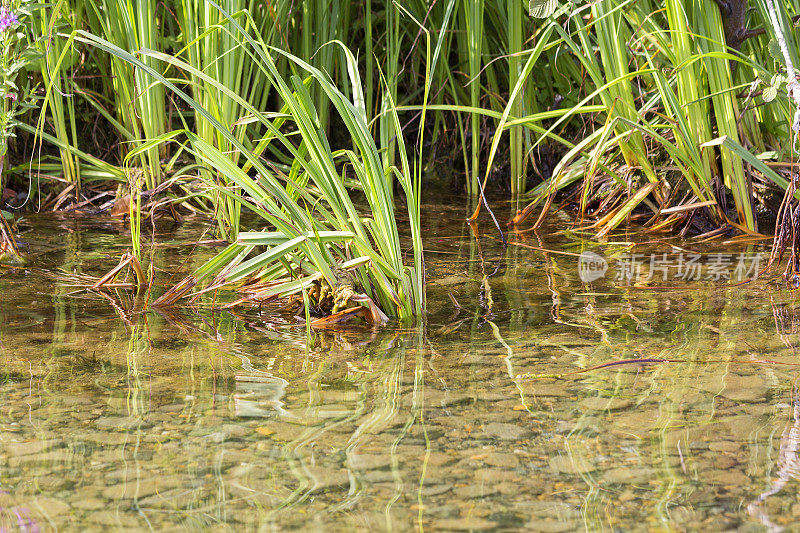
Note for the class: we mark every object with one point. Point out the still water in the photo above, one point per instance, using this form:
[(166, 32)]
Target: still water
[(114, 419)]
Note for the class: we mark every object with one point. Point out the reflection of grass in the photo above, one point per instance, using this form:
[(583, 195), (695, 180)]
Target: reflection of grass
[(378, 414), (676, 401), (368, 422), (693, 326)]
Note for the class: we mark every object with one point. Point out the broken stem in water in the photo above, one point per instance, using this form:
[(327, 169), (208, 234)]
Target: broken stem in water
[(652, 360)]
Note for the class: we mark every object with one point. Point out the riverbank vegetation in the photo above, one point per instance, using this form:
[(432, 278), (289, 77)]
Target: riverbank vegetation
[(309, 131)]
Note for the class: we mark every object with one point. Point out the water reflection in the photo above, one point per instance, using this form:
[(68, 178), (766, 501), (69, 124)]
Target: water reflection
[(788, 469), (788, 463), (115, 417)]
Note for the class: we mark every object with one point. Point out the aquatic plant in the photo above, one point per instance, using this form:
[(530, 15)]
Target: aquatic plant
[(47, 23), (643, 113), (140, 108), (670, 88), (788, 222), (211, 47), (9, 252), (17, 54), (313, 227)]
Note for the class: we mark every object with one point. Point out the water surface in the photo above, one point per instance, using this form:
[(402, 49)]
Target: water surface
[(115, 418)]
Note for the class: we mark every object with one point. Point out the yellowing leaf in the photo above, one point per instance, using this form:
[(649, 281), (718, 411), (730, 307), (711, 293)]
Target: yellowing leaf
[(626, 208)]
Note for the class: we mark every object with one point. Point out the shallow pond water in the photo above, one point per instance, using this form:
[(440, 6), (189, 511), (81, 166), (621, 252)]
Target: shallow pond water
[(483, 420)]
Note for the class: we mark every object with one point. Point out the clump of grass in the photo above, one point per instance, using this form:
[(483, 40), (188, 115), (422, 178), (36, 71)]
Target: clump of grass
[(673, 129), (646, 101), (312, 225)]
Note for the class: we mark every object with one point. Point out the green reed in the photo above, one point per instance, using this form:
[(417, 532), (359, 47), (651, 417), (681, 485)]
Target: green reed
[(309, 238), (210, 47), (673, 127), (668, 88), (139, 104), (61, 103)]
